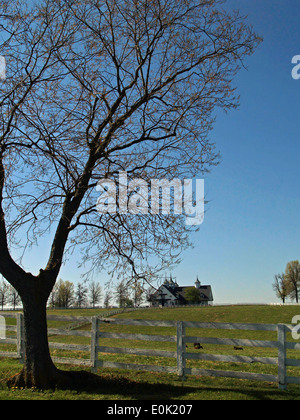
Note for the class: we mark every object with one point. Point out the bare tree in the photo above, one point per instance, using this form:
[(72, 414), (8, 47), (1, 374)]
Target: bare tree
[(81, 295), (95, 293), (64, 294), (138, 292), (292, 277), (281, 286), (122, 294), (4, 289), (13, 297), (107, 299), (53, 298), (94, 88)]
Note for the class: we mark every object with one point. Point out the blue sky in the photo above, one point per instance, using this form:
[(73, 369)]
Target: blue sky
[(251, 228)]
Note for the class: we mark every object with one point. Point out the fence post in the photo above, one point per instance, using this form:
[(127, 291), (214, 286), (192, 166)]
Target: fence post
[(180, 349), (94, 344), (281, 329), (20, 338)]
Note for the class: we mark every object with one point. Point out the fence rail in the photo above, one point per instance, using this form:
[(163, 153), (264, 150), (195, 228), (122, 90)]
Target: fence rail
[(181, 355)]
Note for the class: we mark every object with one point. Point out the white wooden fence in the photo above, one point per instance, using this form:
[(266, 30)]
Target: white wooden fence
[(181, 341)]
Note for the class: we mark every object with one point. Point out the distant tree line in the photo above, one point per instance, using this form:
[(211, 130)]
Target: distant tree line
[(66, 294), (287, 284), (8, 296)]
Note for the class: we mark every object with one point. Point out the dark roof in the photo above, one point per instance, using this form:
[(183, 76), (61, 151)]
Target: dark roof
[(178, 292), (204, 290)]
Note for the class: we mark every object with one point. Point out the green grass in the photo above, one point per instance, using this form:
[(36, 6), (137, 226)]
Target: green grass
[(77, 312), (242, 314), (121, 384), (128, 385)]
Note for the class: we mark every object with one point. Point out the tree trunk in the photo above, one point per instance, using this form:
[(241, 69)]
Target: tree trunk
[(39, 370)]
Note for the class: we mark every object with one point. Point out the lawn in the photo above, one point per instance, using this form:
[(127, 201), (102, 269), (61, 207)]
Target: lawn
[(137, 385), (129, 385), (259, 314)]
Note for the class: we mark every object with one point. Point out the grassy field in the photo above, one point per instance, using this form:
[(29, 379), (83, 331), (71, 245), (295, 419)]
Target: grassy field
[(121, 384)]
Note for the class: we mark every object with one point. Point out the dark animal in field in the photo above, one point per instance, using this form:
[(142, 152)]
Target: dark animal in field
[(238, 348), (197, 346)]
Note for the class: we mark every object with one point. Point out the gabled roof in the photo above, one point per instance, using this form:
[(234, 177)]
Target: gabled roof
[(178, 292), (205, 291)]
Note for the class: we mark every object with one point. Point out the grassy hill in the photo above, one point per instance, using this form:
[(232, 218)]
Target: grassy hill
[(126, 384), (258, 314)]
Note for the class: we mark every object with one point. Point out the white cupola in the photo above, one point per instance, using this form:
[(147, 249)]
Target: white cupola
[(197, 283)]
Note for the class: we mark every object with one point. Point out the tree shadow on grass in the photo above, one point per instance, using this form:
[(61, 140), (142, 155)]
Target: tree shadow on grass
[(126, 388)]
